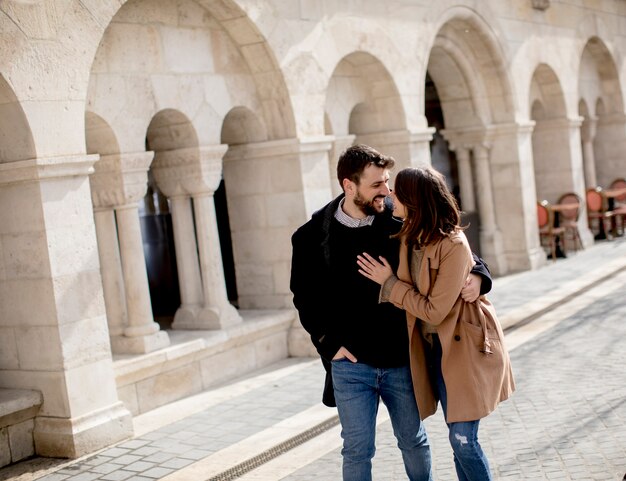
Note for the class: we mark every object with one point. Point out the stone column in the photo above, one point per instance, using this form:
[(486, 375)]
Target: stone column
[(170, 169), (54, 335), (217, 312), (189, 279), (196, 173), (588, 134), (140, 320), (111, 270), (120, 180), (466, 179), (490, 236)]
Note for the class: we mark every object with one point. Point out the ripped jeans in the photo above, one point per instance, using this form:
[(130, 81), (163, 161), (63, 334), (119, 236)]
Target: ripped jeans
[(469, 459)]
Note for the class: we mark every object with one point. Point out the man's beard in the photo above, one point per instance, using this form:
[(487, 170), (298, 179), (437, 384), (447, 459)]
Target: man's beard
[(367, 206)]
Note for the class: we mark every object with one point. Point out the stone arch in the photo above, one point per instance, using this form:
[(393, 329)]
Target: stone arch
[(16, 140), (552, 152), (99, 136), (467, 65), (468, 102), (527, 68), (363, 105), (362, 97), (170, 129), (308, 73), (190, 56), (594, 29), (277, 112), (242, 126), (598, 77), (603, 132), (546, 90)]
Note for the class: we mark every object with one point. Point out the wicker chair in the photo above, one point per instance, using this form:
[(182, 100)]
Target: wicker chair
[(599, 216), (619, 209), (547, 231), (568, 218)]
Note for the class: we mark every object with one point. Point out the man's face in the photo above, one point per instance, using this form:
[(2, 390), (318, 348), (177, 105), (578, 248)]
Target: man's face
[(372, 190)]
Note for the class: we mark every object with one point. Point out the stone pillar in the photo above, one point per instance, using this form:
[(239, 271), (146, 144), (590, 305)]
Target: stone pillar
[(120, 181), (53, 332), (466, 179), (490, 236), (111, 270), (196, 173), (588, 134), (505, 190), (169, 172), (189, 279), (141, 325), (273, 188), (579, 174), (217, 312)]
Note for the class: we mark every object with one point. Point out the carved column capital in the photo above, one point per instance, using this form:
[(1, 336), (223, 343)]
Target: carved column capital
[(540, 4), (189, 171), (120, 179)]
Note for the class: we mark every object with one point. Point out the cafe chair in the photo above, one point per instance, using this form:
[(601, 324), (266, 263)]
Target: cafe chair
[(548, 233), (619, 204), (619, 184), (568, 218), (599, 216)]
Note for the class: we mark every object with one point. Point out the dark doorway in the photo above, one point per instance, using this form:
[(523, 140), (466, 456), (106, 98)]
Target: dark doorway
[(160, 254), (226, 243)]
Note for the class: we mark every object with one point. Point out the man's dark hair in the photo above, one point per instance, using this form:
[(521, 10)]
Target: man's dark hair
[(354, 159)]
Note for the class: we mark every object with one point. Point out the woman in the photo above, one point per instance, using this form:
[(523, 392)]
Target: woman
[(457, 355)]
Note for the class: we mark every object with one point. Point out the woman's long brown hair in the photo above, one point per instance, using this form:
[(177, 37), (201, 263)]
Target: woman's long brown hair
[(431, 210)]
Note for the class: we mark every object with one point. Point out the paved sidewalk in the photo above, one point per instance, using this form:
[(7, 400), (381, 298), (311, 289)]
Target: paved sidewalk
[(567, 420)]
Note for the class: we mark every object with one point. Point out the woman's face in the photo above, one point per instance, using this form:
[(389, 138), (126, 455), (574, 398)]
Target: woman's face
[(398, 208)]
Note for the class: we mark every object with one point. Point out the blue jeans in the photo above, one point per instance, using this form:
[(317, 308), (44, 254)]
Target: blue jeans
[(469, 459), (358, 390)]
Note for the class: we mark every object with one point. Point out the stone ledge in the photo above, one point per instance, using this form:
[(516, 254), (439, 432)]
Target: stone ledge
[(17, 405), (18, 408), (197, 360)]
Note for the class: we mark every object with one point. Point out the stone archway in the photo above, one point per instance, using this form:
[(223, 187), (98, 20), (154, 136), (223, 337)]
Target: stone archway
[(470, 107), (188, 175), (363, 105), (603, 132), (551, 136)]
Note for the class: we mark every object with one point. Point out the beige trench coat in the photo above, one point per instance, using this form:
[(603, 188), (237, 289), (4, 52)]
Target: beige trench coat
[(475, 382)]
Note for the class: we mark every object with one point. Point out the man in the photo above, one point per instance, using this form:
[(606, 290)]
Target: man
[(363, 344)]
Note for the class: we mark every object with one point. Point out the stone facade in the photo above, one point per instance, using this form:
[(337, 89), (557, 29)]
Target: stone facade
[(107, 104)]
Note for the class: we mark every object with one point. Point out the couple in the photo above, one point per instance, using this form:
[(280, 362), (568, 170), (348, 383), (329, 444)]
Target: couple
[(355, 268)]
